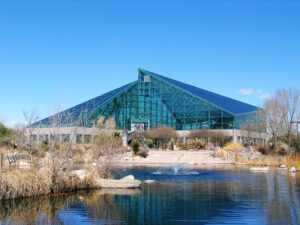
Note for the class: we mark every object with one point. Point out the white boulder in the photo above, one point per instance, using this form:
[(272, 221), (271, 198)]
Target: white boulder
[(126, 182), (129, 177), (292, 169), (80, 173)]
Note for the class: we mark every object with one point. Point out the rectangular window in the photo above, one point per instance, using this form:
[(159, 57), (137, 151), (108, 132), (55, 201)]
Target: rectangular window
[(87, 138), (78, 138), (65, 137)]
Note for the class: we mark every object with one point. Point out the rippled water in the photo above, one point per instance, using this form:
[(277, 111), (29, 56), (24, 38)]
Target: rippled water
[(189, 196)]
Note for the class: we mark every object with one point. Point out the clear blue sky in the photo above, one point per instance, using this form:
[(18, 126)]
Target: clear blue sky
[(82, 49)]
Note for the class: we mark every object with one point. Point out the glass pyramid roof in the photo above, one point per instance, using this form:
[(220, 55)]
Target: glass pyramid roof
[(72, 115), (229, 104)]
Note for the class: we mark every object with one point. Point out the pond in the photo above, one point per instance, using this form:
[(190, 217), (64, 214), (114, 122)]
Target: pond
[(179, 196)]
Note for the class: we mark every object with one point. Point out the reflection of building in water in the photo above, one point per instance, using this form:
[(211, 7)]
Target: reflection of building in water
[(283, 201), (260, 198)]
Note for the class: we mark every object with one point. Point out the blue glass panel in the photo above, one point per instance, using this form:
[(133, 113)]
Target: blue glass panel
[(226, 103), (73, 115)]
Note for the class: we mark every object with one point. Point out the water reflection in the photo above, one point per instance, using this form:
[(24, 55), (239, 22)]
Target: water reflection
[(212, 197)]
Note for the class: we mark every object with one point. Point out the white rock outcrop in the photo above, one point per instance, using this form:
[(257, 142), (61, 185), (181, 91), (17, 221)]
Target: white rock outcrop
[(80, 173), (126, 182), (292, 169)]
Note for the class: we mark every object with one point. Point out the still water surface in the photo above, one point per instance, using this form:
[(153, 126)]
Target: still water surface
[(180, 196)]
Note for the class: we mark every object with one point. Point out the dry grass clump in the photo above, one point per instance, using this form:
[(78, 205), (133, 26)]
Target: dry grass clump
[(233, 147), (294, 161), (221, 153), (15, 183), (78, 156), (262, 161)]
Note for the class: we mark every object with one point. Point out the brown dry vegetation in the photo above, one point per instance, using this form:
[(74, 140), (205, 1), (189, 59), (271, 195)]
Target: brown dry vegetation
[(233, 147), (161, 135), (294, 160), (221, 153), (263, 161), (16, 183)]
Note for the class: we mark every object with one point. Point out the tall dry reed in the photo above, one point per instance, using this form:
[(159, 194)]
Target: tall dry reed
[(294, 161), (15, 183)]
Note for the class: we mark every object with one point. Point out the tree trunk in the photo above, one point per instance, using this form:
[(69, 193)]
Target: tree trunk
[(275, 141)]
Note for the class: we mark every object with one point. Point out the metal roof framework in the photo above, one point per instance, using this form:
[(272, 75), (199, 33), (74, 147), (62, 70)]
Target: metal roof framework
[(161, 101)]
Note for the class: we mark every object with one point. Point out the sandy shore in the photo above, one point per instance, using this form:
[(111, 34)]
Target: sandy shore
[(173, 157)]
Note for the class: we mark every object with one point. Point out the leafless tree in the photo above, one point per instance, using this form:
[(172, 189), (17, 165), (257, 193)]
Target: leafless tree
[(202, 133), (274, 117), (290, 100), (59, 149), (280, 110), (161, 135), (107, 146), (26, 139), (219, 138)]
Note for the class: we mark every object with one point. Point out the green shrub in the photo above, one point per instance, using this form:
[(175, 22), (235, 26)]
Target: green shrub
[(283, 148), (101, 139), (181, 145), (200, 143), (45, 146), (296, 144), (6, 135), (117, 134), (150, 143), (136, 146)]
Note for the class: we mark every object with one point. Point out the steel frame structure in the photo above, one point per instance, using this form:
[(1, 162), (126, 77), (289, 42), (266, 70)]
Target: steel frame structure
[(160, 101)]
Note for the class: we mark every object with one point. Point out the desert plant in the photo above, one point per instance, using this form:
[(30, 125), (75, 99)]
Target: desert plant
[(221, 154), (181, 145), (150, 143), (200, 143), (117, 134), (143, 152), (283, 148), (233, 147), (136, 146)]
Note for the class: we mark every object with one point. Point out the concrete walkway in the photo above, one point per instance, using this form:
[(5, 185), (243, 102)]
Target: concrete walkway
[(201, 157)]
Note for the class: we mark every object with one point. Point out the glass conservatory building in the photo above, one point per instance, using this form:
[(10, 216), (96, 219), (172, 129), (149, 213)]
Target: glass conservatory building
[(154, 100)]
